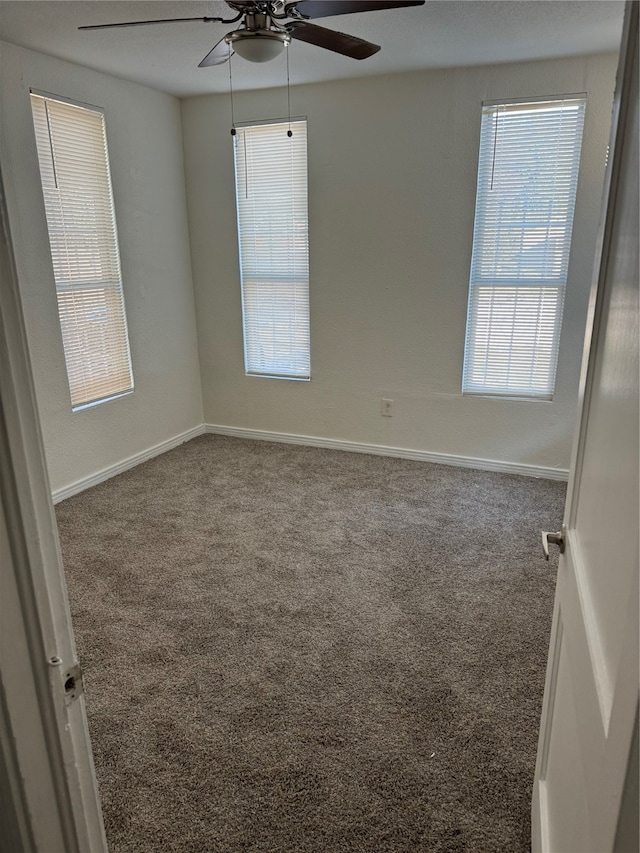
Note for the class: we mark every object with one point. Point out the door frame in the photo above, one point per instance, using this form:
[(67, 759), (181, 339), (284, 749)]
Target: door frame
[(621, 102), (46, 764)]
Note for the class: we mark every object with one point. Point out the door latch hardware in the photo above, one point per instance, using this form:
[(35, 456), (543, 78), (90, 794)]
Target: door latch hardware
[(73, 685), (553, 539)]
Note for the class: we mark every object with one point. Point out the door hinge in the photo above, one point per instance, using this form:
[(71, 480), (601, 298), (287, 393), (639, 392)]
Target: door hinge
[(558, 539)]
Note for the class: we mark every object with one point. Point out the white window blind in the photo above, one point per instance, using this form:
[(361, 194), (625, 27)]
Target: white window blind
[(76, 183), (271, 194), (527, 179)]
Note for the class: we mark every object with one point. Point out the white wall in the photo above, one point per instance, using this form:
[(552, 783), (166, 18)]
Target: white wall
[(145, 147), (392, 174)]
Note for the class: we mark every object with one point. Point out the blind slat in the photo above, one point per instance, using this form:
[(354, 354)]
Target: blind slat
[(271, 195), (527, 181), (76, 182)]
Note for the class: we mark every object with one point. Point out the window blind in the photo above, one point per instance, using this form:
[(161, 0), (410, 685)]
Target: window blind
[(76, 183), (271, 195), (527, 179)]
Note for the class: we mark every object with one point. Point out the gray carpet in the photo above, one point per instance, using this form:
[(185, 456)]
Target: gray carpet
[(297, 650)]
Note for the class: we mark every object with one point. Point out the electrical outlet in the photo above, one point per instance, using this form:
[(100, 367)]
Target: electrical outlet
[(387, 408)]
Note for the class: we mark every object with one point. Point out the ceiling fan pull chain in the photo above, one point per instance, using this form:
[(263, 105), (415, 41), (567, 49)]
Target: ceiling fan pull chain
[(289, 132), (246, 171), (233, 122)]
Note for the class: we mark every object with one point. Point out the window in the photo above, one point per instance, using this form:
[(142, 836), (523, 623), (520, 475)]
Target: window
[(527, 179), (271, 195), (76, 184)]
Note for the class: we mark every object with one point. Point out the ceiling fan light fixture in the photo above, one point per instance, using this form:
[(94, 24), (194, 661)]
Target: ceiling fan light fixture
[(258, 45)]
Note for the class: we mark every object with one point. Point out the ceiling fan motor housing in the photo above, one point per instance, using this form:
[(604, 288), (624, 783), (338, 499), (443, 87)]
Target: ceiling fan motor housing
[(259, 40)]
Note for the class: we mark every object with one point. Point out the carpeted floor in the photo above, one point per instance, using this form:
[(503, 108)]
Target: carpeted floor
[(297, 650)]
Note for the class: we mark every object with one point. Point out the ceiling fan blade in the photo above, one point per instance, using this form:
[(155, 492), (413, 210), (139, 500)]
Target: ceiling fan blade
[(328, 8), (331, 40), (160, 21), (217, 55)]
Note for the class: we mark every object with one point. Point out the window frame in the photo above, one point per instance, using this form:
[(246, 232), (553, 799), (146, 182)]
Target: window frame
[(518, 284), (77, 357), (275, 276)]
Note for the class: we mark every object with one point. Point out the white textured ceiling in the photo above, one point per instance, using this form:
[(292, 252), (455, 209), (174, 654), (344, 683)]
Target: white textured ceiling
[(440, 34)]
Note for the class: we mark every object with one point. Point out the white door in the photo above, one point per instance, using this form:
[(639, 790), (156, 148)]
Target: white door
[(585, 753), (49, 798)]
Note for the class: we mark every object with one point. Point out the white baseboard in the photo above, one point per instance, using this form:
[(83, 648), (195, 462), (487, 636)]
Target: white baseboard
[(310, 441), (399, 452), (99, 477)]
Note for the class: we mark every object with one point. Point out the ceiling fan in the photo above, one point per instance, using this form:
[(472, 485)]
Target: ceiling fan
[(269, 25)]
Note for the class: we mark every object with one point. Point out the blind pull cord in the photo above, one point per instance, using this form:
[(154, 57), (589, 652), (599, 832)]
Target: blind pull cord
[(495, 145), (53, 156)]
